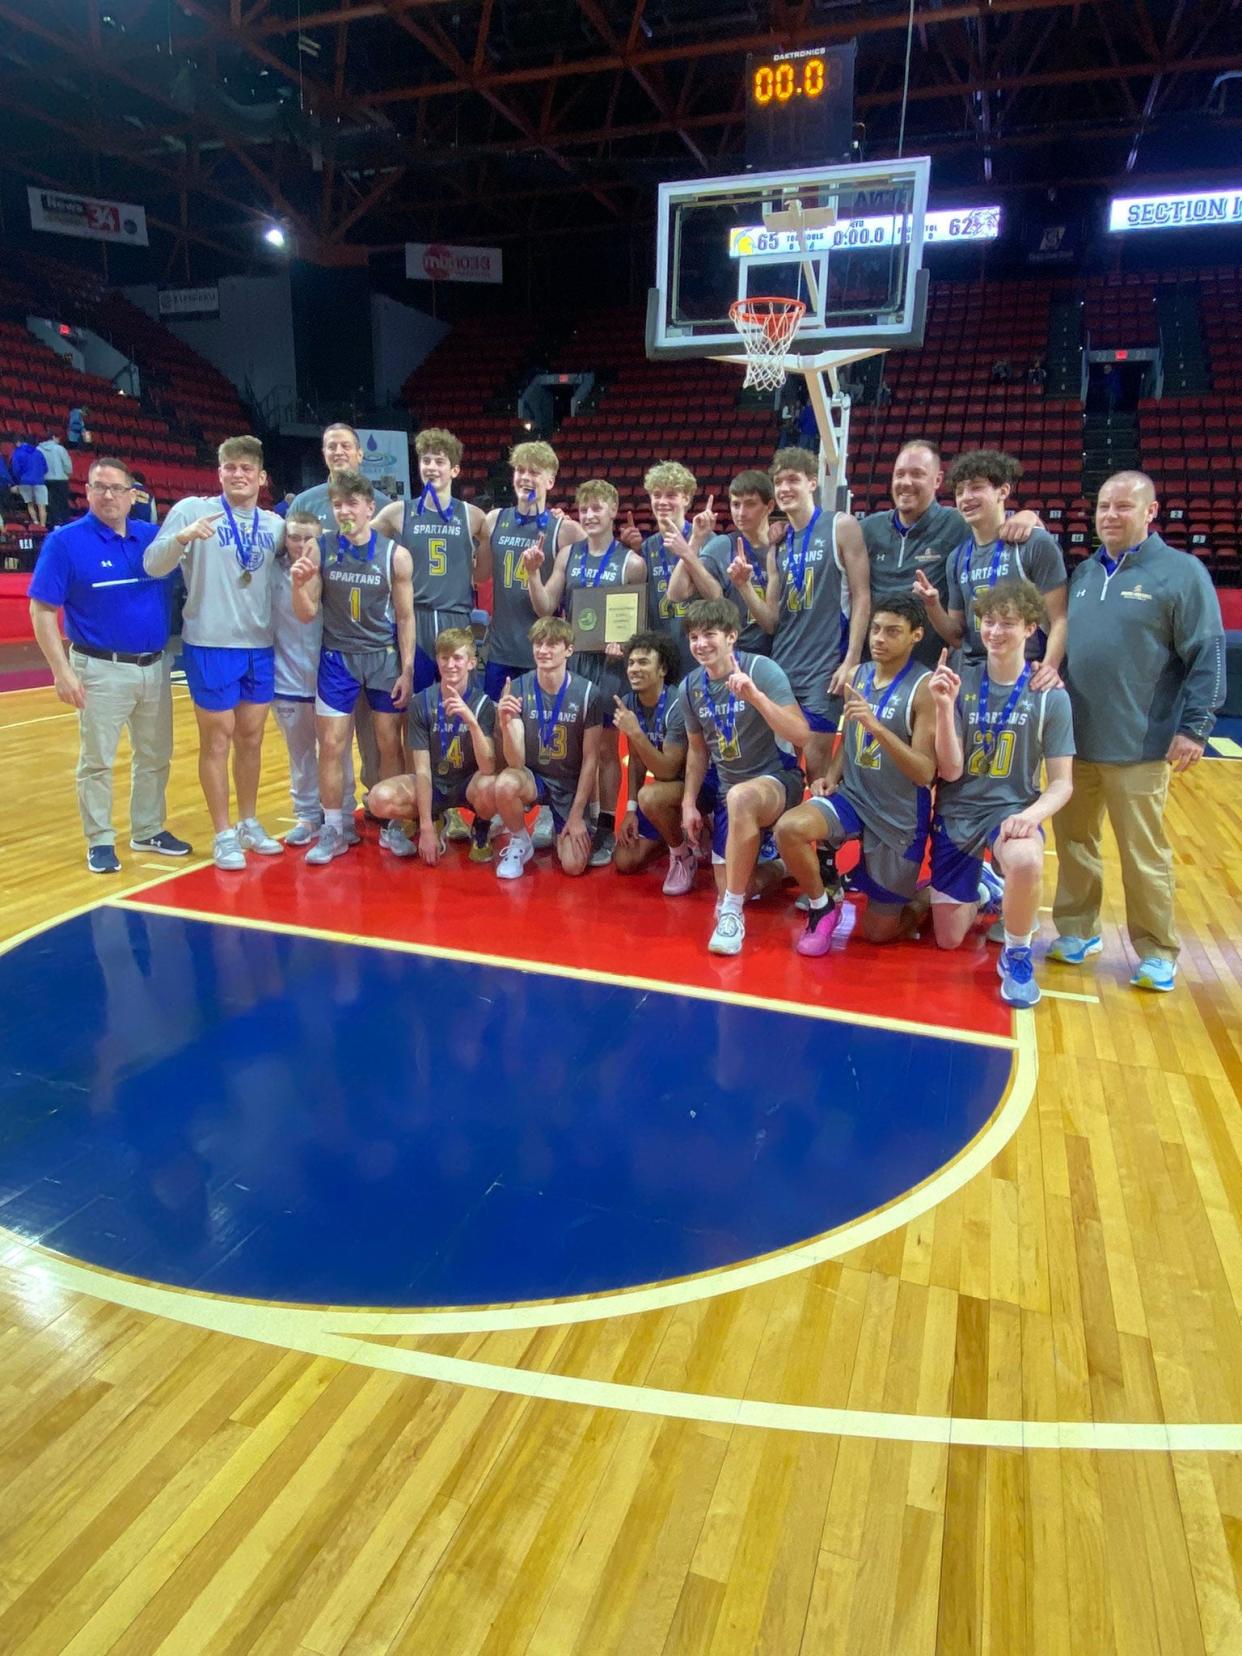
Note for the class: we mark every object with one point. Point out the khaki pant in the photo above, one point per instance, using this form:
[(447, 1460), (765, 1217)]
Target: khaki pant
[(1134, 797), (120, 695)]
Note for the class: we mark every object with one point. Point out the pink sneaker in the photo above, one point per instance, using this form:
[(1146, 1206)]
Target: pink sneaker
[(820, 925), (680, 877)]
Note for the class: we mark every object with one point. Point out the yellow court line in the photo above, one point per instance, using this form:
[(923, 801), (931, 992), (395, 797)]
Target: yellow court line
[(269, 1326), (1069, 995), (303, 1320), (104, 900), (1225, 747), (582, 974)]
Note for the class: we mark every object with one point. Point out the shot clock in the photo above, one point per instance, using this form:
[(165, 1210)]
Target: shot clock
[(799, 106)]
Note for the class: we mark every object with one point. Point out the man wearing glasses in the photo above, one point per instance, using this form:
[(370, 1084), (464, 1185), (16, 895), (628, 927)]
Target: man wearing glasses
[(116, 669)]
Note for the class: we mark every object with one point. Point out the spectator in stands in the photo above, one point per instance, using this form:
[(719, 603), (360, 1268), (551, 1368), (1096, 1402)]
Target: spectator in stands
[(56, 479), (75, 428), (8, 486), (117, 671), (808, 428), (1145, 670), (1037, 374), (144, 507), (29, 470), (281, 508), (1002, 371), (883, 394)]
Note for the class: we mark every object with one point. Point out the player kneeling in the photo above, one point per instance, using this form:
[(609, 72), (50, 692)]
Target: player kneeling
[(650, 718), (550, 723), (993, 732), (451, 735), (741, 705), (877, 788)]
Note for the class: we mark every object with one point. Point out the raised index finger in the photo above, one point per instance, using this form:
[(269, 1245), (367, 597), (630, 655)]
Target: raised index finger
[(505, 691), (944, 658)]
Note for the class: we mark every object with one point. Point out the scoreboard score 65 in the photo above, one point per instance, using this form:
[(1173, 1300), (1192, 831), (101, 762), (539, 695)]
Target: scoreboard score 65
[(799, 106)]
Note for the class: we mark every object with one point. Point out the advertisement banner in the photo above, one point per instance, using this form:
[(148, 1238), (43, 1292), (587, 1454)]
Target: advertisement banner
[(386, 461), (88, 216), (1202, 209), (438, 262), (190, 301), (1054, 242)]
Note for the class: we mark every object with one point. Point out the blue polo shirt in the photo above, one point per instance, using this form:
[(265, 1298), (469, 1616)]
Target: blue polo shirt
[(110, 602)]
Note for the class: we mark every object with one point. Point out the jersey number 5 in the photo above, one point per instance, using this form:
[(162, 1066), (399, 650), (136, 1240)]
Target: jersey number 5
[(437, 557)]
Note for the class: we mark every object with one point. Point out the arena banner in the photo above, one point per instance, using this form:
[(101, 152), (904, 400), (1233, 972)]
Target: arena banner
[(88, 216), (1199, 210), (386, 461), (439, 262), (189, 301)]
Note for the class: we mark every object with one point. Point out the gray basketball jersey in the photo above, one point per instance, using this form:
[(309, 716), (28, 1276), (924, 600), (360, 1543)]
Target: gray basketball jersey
[(717, 555), (808, 641), (554, 743), (663, 615), (973, 568), (432, 732), (513, 614), (897, 810), (357, 596), (664, 725), (595, 569), (297, 642), (442, 551), (739, 739), (1002, 761)]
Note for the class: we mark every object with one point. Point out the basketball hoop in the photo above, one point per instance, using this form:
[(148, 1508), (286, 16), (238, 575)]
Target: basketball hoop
[(767, 326)]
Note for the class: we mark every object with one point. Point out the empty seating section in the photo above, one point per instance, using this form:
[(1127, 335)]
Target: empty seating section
[(470, 384), (1193, 445), (1119, 312)]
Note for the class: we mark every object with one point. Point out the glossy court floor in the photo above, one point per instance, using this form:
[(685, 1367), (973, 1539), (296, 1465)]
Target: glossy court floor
[(392, 1262)]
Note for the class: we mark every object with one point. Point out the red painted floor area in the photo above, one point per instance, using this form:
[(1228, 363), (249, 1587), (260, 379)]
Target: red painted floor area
[(601, 922)]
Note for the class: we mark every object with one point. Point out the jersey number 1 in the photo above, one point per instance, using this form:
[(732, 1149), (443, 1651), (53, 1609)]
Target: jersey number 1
[(355, 604)]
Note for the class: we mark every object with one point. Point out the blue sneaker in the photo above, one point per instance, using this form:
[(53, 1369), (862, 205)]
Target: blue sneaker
[(1016, 970), (991, 890), (1155, 973), (163, 844), (1072, 951), (102, 859)]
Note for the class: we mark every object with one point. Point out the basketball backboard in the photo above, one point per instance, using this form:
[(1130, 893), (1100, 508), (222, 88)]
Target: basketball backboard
[(847, 241)]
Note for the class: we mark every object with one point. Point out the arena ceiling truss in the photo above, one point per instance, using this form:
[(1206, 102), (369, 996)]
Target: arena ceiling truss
[(362, 124)]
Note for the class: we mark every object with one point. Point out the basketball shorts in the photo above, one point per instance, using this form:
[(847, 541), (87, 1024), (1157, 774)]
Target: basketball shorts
[(428, 625), (955, 868), (794, 784), (887, 876), (494, 675), (219, 678), (607, 673), (558, 796), (344, 677)]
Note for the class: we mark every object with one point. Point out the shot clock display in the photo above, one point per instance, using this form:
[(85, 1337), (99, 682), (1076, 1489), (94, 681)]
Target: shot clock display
[(799, 106)]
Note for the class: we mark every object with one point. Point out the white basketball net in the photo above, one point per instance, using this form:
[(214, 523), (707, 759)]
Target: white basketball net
[(767, 327)]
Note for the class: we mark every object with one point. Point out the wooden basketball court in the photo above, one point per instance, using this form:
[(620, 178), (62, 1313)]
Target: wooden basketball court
[(1003, 1413)]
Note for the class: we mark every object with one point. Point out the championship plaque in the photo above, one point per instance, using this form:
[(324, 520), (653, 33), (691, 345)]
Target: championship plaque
[(607, 615)]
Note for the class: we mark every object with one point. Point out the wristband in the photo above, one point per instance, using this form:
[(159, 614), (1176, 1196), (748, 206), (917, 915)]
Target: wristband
[(631, 804)]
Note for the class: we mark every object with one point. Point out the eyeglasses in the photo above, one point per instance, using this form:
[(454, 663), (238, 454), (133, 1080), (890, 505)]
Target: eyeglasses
[(110, 488)]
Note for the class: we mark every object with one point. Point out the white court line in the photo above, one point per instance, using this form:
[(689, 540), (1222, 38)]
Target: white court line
[(44, 718), (270, 1325)]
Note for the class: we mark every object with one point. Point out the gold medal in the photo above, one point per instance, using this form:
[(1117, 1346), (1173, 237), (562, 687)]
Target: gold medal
[(246, 577), (443, 768)]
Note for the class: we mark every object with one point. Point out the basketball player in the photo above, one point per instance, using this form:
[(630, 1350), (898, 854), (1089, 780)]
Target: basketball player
[(293, 705), (650, 718), (982, 482), (550, 726), (451, 734), (227, 545), (818, 584), (671, 488), (363, 585), (917, 534), (876, 788), (704, 559), (341, 449), (994, 729), (743, 707), (512, 530), (598, 562), (448, 546)]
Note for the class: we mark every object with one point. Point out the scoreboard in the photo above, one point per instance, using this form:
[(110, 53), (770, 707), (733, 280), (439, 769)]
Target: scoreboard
[(799, 107)]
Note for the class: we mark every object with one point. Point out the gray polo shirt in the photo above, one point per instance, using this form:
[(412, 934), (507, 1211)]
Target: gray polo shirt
[(895, 557), (1145, 657)]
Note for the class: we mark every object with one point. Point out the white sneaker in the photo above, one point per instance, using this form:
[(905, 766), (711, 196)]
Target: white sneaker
[(255, 837), (544, 832), (226, 851), (302, 833), (393, 838), (330, 844), (729, 934), (514, 858), (349, 829)]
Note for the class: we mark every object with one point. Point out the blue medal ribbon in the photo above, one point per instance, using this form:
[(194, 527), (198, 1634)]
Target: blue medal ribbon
[(345, 548), (243, 552), (653, 729), (447, 736), (877, 708), (725, 727), (540, 519), (992, 724), (600, 572), (658, 546), (799, 578), (445, 513), (547, 723), (758, 569)]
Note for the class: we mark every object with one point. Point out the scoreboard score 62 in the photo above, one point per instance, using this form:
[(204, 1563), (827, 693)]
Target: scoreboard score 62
[(799, 106)]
